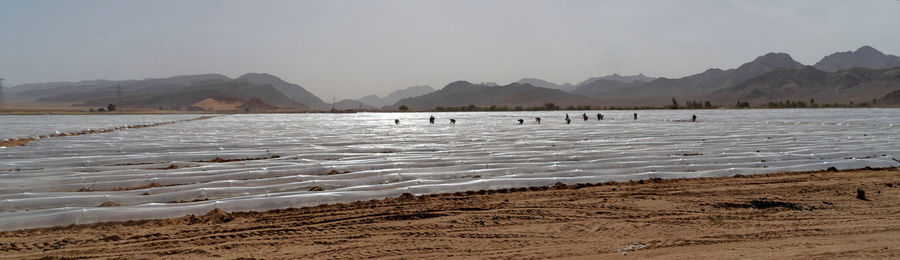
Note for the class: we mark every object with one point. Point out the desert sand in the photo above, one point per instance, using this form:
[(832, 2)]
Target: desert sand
[(809, 215)]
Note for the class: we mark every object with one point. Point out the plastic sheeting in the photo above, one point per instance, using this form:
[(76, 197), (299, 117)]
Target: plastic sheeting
[(23, 126), (165, 171)]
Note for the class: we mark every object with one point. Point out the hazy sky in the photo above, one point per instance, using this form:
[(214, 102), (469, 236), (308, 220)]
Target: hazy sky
[(349, 49)]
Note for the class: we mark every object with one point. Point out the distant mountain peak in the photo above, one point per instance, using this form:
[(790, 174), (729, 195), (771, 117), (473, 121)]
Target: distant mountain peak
[(459, 83), (618, 77), (260, 77), (776, 57), (293, 91), (546, 84), (869, 49), (864, 57), (766, 63), (397, 95)]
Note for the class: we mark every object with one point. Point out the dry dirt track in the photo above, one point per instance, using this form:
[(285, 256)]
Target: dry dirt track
[(791, 216)]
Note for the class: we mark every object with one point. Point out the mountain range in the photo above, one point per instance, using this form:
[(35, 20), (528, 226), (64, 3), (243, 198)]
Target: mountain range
[(257, 90), (860, 76), (856, 84), (393, 97), (864, 75), (461, 93)]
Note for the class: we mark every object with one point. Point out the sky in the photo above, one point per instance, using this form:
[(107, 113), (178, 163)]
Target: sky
[(349, 49)]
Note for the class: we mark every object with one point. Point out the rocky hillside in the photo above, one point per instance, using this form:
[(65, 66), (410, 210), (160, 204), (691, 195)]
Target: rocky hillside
[(856, 85), (864, 57), (462, 93)]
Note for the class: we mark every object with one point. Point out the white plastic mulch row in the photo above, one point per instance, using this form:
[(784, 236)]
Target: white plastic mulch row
[(164, 171)]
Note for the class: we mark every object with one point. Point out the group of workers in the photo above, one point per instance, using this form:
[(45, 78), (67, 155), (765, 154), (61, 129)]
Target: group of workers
[(538, 119)]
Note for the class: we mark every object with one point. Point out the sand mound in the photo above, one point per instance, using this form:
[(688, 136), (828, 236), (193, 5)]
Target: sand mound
[(406, 197), (216, 216), (213, 104), (560, 186)]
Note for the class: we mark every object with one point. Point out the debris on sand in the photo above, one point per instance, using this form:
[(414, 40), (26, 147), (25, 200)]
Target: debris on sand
[(334, 172), (861, 194), (151, 185), (222, 160), (171, 167), (762, 203), (766, 204), (406, 197), (216, 216), (560, 186), (317, 188), (109, 204), (632, 247)]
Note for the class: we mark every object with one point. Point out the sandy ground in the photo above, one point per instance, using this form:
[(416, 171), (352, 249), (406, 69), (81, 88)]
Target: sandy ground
[(791, 216)]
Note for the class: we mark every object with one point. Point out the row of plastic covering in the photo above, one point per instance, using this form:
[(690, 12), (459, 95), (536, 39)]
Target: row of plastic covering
[(259, 162), (82, 215), (23, 126)]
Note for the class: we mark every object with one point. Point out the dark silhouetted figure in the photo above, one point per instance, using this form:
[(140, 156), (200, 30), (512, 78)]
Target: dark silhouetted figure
[(599, 116), (584, 116), (568, 121), (452, 121), (537, 119), (431, 119), (694, 118), (396, 121), (521, 121), (635, 116)]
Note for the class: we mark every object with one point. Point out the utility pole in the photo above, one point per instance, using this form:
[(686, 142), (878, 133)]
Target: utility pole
[(1, 93), (119, 97)]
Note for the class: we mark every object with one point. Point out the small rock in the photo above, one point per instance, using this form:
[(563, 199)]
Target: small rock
[(861, 194), (560, 186), (407, 197)]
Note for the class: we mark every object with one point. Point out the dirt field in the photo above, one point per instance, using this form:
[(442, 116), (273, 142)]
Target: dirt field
[(790, 216)]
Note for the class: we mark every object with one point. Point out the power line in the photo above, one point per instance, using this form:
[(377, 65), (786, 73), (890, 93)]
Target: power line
[(1, 93)]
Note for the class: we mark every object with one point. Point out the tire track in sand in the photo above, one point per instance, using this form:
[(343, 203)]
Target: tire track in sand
[(671, 218)]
